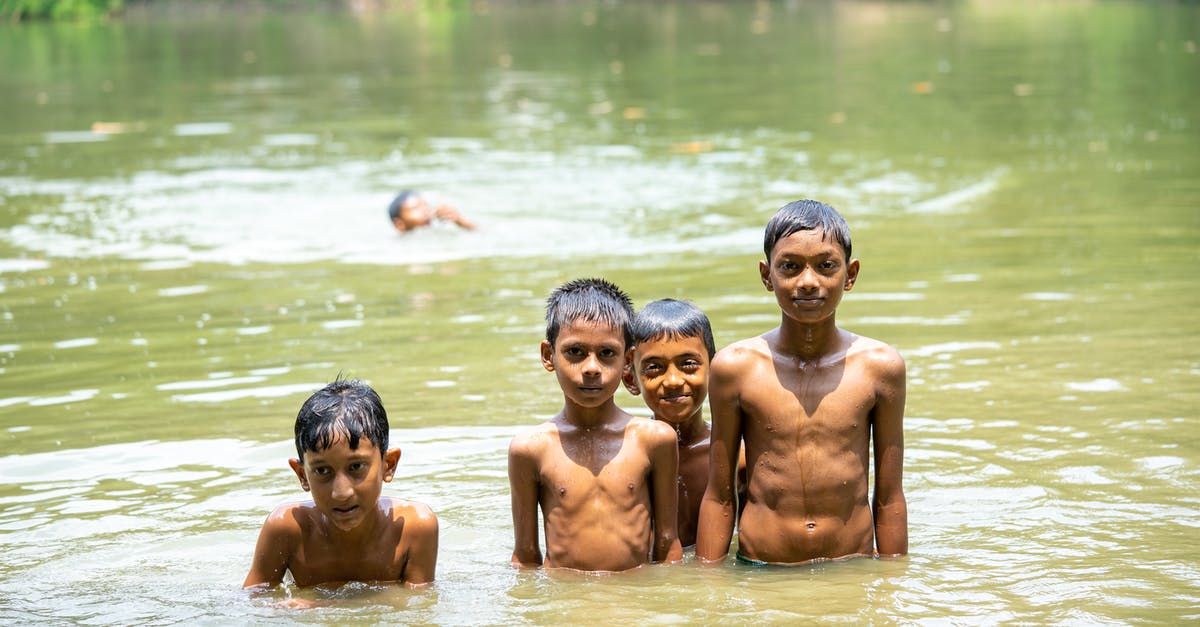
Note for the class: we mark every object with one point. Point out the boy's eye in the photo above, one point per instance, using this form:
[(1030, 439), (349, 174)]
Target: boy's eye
[(608, 352), (573, 351), (829, 265), (322, 471), (357, 466), (651, 368)]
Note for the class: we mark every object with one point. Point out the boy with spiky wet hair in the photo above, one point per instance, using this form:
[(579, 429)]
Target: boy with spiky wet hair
[(815, 407), (604, 480), (348, 531)]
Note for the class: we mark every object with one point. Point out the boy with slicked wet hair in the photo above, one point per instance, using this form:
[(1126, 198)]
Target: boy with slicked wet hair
[(603, 479), (818, 409), (348, 531)]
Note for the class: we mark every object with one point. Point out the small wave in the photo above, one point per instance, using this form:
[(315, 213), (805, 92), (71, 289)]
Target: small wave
[(274, 391), (194, 129), (959, 199), (77, 343), (183, 290), (1097, 385), (22, 265), (950, 347)]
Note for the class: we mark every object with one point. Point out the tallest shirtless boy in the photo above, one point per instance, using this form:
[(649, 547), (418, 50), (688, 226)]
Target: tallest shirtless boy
[(810, 402)]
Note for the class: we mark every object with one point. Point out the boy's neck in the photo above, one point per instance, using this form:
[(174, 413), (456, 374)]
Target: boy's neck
[(809, 342), (691, 432), (581, 416)]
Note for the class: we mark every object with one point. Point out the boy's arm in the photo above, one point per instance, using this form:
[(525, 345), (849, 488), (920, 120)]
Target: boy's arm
[(890, 508), (523, 484), (446, 212), (718, 509), (664, 495), (276, 544), (423, 547)]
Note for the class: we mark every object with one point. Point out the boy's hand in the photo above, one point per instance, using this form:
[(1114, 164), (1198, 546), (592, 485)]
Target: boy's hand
[(297, 603), (446, 212)]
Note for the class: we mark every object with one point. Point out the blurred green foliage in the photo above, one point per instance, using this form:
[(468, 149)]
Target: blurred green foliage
[(16, 10)]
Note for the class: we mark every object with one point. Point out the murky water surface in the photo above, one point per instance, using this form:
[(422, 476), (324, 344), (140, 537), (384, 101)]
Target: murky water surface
[(193, 238)]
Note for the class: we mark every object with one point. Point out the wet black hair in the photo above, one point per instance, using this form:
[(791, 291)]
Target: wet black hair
[(398, 202), (806, 215), (344, 408), (594, 300), (670, 318)]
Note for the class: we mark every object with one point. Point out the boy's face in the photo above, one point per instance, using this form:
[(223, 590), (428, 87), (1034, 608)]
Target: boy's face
[(589, 359), (416, 212), (672, 375), (346, 483), (808, 273)]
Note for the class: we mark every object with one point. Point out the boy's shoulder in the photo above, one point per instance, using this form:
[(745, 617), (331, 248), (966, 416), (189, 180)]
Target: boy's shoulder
[(877, 355), (651, 429), (739, 354), (532, 440), (414, 516), (288, 521)]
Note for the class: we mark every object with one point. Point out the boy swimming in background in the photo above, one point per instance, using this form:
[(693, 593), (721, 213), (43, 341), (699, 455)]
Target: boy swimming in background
[(811, 402), (673, 344), (410, 210), (605, 480), (348, 531)]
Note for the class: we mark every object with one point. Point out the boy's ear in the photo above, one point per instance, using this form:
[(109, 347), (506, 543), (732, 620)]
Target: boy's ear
[(548, 355), (390, 459), (629, 374), (630, 381), (851, 274), (764, 272), (298, 468)]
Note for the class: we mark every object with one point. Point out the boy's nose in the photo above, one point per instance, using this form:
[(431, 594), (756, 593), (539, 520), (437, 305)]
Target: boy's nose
[(674, 378), (808, 278), (591, 365), (343, 487)]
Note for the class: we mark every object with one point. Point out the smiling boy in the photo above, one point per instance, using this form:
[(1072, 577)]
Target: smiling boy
[(810, 402), (673, 345), (348, 531), (604, 480)]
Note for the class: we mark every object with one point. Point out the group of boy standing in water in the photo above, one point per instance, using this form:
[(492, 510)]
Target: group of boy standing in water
[(799, 416)]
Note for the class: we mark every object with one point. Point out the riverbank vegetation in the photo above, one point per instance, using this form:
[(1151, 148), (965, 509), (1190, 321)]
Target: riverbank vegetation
[(21, 10), (85, 10)]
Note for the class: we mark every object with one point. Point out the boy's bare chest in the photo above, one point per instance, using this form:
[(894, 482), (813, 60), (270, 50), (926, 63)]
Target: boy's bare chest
[(318, 562), (812, 401), (585, 474)]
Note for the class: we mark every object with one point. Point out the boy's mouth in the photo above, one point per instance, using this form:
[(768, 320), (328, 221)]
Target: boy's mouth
[(349, 509)]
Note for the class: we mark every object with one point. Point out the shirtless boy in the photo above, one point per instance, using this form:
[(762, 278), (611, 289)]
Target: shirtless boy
[(811, 402), (348, 531), (673, 344), (409, 210), (605, 480)]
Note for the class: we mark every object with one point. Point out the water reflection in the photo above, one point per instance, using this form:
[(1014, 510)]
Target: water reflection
[(193, 238)]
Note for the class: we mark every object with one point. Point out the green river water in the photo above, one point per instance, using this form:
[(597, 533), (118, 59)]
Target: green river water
[(193, 238)]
